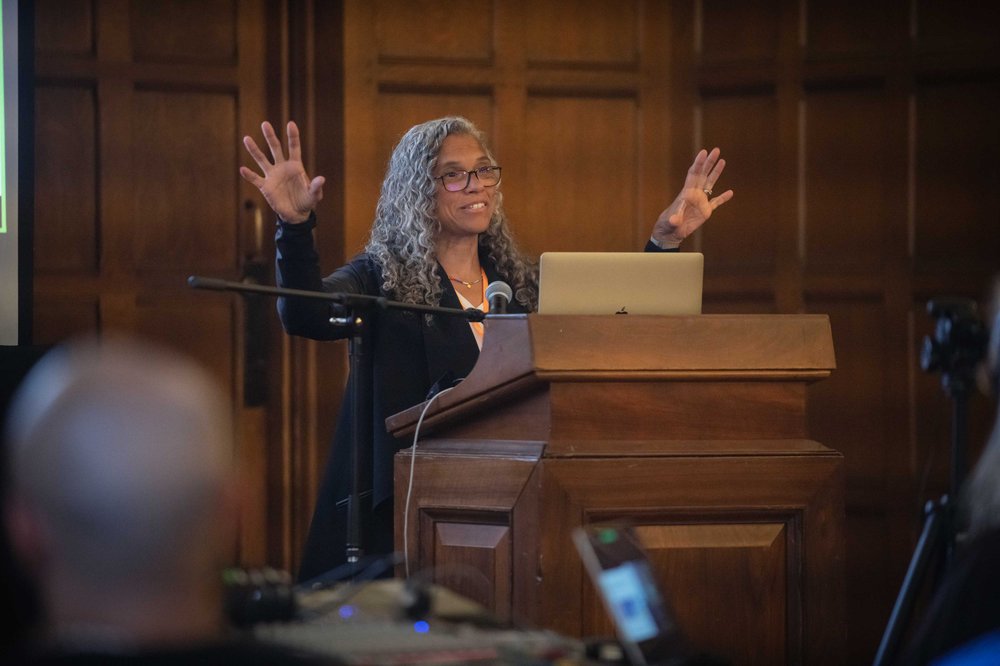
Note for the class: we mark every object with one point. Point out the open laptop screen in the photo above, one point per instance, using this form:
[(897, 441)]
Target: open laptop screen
[(652, 283)]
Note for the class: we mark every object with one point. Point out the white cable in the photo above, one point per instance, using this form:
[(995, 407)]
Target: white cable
[(409, 485)]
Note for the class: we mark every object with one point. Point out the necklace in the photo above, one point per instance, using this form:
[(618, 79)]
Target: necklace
[(468, 285)]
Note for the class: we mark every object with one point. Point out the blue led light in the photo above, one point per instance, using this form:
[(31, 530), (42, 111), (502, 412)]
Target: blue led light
[(421, 627), (346, 611)]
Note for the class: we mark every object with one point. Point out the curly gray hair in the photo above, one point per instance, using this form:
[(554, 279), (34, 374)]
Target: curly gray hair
[(403, 235)]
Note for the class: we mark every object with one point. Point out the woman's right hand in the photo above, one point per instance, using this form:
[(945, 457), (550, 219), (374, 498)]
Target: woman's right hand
[(285, 185)]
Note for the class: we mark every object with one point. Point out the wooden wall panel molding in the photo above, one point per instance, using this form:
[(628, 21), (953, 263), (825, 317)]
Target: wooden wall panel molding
[(599, 78), (180, 319), (304, 83), (589, 36), (846, 30), (116, 166), (594, 147), (59, 318), (185, 216), (956, 199), (455, 33), (742, 241), (138, 183), (845, 188), (857, 389), (184, 31), (361, 140), (65, 27), (736, 296), (868, 168), (873, 580), (938, 30), (399, 110), (67, 230), (731, 31)]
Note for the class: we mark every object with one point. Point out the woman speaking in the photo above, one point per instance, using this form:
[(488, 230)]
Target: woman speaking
[(440, 237)]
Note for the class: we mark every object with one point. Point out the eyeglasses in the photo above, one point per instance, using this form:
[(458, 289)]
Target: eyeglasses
[(456, 181)]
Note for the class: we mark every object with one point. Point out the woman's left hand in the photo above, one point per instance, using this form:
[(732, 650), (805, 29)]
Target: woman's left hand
[(695, 204)]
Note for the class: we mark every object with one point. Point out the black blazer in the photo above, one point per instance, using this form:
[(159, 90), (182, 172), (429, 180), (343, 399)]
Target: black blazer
[(409, 354)]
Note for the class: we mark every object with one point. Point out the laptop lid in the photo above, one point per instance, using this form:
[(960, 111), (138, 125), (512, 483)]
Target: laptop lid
[(652, 283), (623, 577)]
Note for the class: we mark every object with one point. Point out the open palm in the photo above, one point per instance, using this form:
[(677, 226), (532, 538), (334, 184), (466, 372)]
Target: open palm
[(693, 205), (285, 184)]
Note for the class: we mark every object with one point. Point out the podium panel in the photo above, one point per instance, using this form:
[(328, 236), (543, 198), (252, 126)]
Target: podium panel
[(742, 514)]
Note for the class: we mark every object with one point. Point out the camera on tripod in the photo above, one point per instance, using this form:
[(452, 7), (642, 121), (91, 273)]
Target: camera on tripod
[(958, 344)]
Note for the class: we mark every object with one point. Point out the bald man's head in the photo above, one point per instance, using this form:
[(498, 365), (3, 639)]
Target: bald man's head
[(124, 453)]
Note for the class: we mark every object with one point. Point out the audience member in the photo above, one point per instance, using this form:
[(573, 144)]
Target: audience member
[(122, 505)]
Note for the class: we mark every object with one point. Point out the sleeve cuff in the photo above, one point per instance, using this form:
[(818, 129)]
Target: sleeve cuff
[(652, 245), (298, 227)]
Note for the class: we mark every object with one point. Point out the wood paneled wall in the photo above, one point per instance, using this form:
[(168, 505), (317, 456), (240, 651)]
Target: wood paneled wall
[(139, 110), (573, 103), (863, 145)]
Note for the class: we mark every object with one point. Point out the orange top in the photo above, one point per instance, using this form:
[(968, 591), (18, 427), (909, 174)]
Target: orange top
[(477, 326)]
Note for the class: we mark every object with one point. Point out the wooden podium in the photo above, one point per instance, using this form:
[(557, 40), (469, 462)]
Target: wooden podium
[(691, 428)]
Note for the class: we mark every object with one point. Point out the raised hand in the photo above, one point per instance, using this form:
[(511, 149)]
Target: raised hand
[(694, 204), (285, 185)]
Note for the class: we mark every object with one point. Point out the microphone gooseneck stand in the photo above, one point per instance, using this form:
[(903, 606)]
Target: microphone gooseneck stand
[(357, 308)]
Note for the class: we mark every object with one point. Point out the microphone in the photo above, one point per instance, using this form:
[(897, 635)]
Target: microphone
[(498, 295)]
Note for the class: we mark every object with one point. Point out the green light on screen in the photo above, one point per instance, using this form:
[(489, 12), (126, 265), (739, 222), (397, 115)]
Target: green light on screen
[(607, 535)]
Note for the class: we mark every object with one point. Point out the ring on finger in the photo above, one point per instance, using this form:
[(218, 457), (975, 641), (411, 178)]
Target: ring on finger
[(707, 191)]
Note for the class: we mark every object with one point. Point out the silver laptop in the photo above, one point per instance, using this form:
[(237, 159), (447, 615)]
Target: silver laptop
[(620, 283)]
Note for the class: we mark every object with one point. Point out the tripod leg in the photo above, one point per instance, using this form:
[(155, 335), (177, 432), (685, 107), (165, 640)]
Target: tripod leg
[(929, 548)]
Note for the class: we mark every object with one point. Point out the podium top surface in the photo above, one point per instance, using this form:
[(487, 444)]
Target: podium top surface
[(523, 350)]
